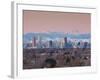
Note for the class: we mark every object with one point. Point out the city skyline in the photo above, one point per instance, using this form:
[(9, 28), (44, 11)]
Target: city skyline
[(54, 40), (47, 21)]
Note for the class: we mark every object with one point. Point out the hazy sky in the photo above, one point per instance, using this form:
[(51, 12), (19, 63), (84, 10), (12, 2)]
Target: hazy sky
[(45, 21)]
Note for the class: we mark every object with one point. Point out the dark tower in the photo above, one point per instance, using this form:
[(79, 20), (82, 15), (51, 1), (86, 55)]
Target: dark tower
[(50, 44), (34, 42), (65, 41)]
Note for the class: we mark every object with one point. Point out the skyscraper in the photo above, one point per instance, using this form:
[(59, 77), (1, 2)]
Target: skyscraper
[(50, 44), (40, 41), (65, 41), (34, 42), (61, 43)]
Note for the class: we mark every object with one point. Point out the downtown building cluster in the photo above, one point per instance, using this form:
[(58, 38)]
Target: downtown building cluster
[(41, 42)]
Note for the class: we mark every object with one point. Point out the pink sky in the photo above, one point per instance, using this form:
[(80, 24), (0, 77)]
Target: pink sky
[(45, 21)]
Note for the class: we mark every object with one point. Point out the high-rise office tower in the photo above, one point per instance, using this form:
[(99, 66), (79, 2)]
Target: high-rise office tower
[(61, 43), (34, 42), (65, 41), (40, 41), (50, 44)]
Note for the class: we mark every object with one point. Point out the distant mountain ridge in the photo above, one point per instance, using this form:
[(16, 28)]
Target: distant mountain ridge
[(54, 35)]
